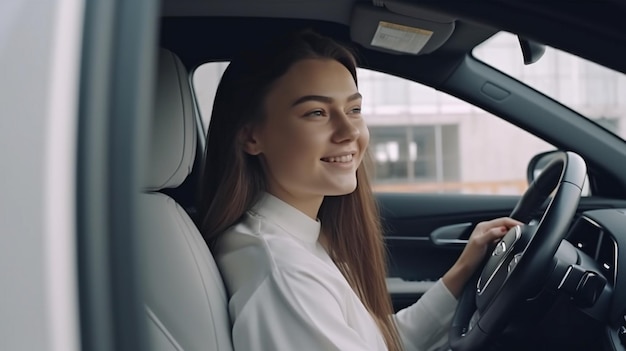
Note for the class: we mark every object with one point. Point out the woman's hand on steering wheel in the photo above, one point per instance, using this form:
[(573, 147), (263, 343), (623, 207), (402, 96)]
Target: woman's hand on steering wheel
[(484, 235)]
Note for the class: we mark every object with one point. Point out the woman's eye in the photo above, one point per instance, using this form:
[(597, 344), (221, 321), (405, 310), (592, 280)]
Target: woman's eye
[(316, 113), (355, 111)]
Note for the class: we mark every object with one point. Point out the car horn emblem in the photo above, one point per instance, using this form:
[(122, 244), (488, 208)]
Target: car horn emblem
[(500, 249)]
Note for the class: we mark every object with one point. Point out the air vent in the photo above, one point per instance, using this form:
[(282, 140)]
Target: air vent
[(589, 237), (586, 235)]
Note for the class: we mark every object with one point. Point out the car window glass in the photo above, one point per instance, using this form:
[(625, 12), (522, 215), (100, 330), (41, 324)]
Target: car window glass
[(423, 140), (590, 89)]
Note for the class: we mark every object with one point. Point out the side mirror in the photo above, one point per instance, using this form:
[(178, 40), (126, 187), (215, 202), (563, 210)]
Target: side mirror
[(540, 161)]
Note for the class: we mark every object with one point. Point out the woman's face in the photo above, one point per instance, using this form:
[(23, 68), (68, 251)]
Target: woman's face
[(312, 138)]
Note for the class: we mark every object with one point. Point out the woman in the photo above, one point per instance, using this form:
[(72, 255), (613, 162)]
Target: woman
[(290, 215)]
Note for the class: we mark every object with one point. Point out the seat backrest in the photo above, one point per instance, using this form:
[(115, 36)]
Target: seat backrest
[(184, 297)]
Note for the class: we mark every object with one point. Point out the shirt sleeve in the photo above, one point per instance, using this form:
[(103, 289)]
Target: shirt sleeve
[(425, 324), (294, 311)]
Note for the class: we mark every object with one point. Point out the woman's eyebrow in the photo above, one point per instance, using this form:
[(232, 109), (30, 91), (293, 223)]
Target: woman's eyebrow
[(322, 98), (355, 96)]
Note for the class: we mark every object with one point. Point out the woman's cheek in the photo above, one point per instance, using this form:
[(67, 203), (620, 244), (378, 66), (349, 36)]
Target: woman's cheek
[(365, 136)]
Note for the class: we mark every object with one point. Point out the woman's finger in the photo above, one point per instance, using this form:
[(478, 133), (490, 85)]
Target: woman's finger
[(505, 221), (490, 235)]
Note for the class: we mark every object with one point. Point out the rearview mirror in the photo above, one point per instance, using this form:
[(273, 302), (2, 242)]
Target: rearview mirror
[(540, 161), (531, 50)]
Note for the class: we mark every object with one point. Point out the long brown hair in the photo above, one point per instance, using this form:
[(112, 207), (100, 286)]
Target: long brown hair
[(233, 180)]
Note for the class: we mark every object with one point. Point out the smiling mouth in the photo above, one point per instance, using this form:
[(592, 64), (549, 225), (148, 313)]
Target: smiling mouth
[(338, 159)]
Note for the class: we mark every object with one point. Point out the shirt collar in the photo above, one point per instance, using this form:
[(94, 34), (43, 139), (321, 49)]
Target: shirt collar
[(289, 218)]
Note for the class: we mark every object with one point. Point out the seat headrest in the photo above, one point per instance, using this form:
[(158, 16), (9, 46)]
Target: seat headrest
[(172, 145)]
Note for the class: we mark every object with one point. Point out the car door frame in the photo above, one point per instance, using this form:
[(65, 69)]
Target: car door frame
[(118, 64)]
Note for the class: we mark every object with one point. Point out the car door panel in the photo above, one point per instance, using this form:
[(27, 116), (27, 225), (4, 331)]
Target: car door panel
[(425, 233)]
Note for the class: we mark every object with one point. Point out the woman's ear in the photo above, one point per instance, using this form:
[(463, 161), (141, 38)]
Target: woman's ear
[(248, 139)]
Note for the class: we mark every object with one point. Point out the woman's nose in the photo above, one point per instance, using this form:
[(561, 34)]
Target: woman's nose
[(345, 128)]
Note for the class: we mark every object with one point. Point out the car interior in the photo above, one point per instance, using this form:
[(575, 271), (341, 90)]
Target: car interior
[(577, 306)]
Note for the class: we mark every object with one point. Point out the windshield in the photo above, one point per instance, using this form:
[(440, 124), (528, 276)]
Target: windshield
[(592, 90)]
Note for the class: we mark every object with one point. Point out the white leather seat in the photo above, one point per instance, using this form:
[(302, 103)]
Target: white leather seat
[(184, 297)]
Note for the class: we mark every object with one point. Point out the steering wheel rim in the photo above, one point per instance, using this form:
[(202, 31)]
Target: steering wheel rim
[(525, 253)]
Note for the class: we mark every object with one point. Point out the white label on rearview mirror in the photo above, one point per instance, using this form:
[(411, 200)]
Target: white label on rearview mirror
[(400, 38)]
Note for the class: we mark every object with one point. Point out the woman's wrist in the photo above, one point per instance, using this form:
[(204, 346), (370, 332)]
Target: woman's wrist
[(456, 277)]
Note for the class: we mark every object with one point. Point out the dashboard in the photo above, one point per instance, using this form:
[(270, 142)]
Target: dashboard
[(598, 235)]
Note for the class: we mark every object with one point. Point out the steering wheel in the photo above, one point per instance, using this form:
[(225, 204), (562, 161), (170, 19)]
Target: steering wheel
[(522, 259)]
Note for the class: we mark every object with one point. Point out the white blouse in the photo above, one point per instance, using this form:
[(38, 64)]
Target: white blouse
[(287, 294)]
